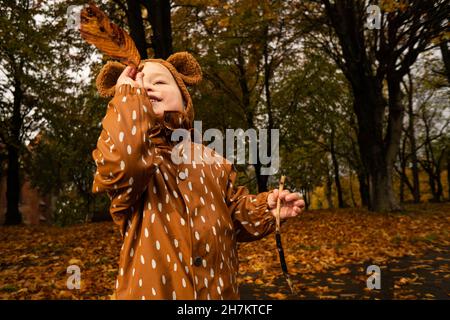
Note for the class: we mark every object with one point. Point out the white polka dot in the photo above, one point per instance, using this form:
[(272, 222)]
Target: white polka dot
[(218, 290), (182, 221), (130, 181), (214, 230), (165, 176), (158, 246), (183, 282), (202, 200), (153, 218), (159, 206), (186, 268), (213, 207), (122, 165), (190, 185), (142, 259), (206, 282), (131, 252), (204, 263), (174, 295), (121, 271), (175, 266), (124, 99), (207, 247), (121, 135), (180, 255), (175, 242), (154, 291), (133, 130), (133, 115), (133, 272), (203, 219), (197, 236), (211, 272), (146, 232), (163, 279), (167, 217), (145, 108), (168, 258), (153, 263), (140, 282), (129, 149)]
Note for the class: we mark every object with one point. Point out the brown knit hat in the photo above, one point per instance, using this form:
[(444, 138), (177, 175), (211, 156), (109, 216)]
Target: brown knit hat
[(182, 65)]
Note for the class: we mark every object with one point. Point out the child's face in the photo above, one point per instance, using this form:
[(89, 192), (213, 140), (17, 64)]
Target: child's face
[(162, 88)]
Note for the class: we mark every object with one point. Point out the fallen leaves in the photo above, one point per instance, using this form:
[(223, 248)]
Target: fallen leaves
[(326, 243)]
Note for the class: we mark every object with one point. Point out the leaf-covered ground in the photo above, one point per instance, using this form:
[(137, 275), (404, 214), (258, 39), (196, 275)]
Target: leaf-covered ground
[(327, 253)]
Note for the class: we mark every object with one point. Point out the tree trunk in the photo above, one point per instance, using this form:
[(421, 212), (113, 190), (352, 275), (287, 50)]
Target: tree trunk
[(263, 179), (378, 160), (337, 179), (329, 191), (352, 195), (136, 24), (446, 58), (402, 187), (363, 189), (159, 18), (13, 215), (413, 145)]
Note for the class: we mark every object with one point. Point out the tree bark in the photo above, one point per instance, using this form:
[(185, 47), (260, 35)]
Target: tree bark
[(337, 180), (329, 191), (446, 58), (363, 188), (160, 20), (369, 108), (413, 144), (136, 24), (13, 215)]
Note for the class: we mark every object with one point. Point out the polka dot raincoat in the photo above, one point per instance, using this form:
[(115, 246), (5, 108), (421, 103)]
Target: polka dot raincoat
[(179, 222)]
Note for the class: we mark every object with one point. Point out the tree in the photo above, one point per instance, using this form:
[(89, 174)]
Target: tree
[(28, 51), (242, 46), (158, 14), (375, 62)]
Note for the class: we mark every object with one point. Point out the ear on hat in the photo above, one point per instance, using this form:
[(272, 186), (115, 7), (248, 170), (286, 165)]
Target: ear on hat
[(107, 78), (187, 67)]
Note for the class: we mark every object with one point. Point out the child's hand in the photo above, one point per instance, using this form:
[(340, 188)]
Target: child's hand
[(130, 76), (291, 203)]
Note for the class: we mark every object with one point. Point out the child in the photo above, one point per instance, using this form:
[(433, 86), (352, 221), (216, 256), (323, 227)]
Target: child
[(179, 222)]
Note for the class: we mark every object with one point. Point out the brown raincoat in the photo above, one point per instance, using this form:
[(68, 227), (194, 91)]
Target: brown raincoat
[(179, 222)]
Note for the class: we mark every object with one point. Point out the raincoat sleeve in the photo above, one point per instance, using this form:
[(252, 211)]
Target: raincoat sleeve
[(250, 213), (124, 156)]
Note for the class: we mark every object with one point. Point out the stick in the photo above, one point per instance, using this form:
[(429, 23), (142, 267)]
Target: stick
[(278, 237)]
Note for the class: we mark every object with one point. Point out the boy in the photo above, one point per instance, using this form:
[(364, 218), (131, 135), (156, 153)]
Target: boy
[(179, 222)]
